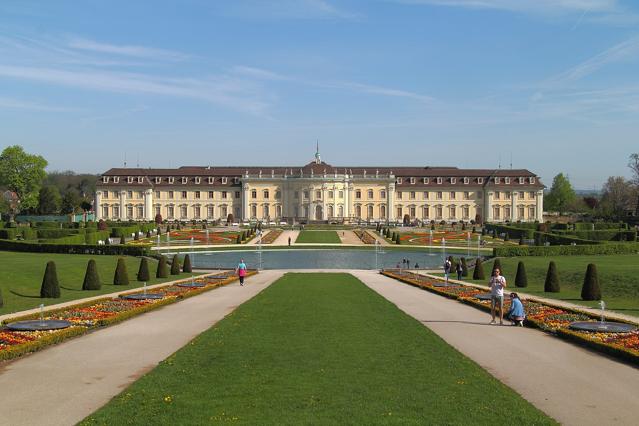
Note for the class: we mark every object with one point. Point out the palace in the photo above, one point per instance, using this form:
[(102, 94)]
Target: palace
[(320, 192)]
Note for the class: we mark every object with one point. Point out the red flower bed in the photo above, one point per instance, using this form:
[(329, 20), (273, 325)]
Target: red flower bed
[(271, 236), (364, 236)]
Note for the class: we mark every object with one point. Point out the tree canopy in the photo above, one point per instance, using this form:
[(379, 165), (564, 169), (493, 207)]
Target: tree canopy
[(561, 195), (22, 173)]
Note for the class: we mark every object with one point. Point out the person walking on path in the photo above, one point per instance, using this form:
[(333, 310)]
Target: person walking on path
[(516, 313), (241, 271), (447, 266), (460, 271), (289, 241), (497, 285)]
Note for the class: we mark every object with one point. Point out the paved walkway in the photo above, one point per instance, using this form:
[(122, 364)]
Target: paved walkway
[(63, 384), (282, 240), (571, 384), (349, 237)]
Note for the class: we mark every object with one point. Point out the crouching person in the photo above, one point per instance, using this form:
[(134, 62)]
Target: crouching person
[(516, 313)]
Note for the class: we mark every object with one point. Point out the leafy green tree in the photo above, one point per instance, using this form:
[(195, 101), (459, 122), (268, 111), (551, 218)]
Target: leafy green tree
[(71, 201), (23, 174), (618, 197), (561, 195), (49, 200)]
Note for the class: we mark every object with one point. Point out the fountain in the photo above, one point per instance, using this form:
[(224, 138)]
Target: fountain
[(430, 244), (142, 296), (602, 326), (468, 240), (39, 325), (192, 284), (207, 236)]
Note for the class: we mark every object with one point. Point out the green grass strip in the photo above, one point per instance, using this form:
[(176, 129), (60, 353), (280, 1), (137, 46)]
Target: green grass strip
[(318, 349), (322, 237)]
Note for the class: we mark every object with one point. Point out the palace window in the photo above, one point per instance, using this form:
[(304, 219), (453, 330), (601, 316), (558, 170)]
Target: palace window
[(426, 212), (184, 194), (399, 195), (129, 212), (480, 180), (440, 195), (496, 180), (412, 195), (158, 209), (358, 194), (453, 212), (466, 195), (157, 194), (116, 179), (196, 212), (466, 181), (237, 194), (171, 179), (197, 180), (399, 212), (209, 212), (439, 181), (412, 212), (496, 211), (210, 180), (452, 195), (531, 212), (398, 180), (267, 212), (522, 194), (497, 195), (340, 211), (129, 179), (185, 180), (105, 194), (508, 195), (521, 180), (105, 179), (358, 211), (370, 194), (140, 195), (453, 180), (466, 212), (507, 212), (382, 194), (369, 212), (170, 212), (253, 194), (266, 194), (140, 212), (116, 211), (531, 195), (183, 212), (426, 180), (318, 195), (197, 195), (211, 195), (341, 194), (158, 179), (170, 195), (412, 181), (129, 194), (521, 212), (425, 195), (105, 211), (507, 180), (306, 195), (382, 212), (224, 180), (224, 211), (439, 211), (225, 194), (531, 180)]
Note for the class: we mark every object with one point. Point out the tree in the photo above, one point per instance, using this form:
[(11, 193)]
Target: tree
[(121, 276), (186, 267), (634, 166), (102, 225), (478, 272), (551, 285), (158, 219), (71, 201), (464, 267), (175, 265), (229, 218), (591, 289), (163, 269), (122, 240), (561, 194), (618, 197), (91, 277), (521, 279), (143, 270), (49, 200), (50, 286), (22, 173)]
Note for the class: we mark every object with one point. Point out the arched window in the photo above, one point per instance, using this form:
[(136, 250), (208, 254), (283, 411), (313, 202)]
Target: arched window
[(358, 212), (340, 211), (278, 211), (370, 211), (267, 211), (382, 212), (370, 194), (253, 211), (330, 211)]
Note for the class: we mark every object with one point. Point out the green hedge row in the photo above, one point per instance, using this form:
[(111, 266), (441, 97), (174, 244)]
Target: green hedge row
[(118, 231), (26, 246), (58, 233), (561, 250)]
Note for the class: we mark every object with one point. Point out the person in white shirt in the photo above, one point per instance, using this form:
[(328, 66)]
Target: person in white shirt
[(497, 285)]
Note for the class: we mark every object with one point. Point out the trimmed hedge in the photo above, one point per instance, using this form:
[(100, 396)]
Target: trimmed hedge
[(521, 279), (591, 289), (143, 270), (603, 249), (175, 265), (551, 285), (50, 285), (162, 270), (91, 277), (121, 276), (478, 272), (187, 267), (49, 247)]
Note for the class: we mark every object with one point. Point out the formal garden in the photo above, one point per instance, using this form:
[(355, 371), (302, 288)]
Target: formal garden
[(321, 237), (293, 355)]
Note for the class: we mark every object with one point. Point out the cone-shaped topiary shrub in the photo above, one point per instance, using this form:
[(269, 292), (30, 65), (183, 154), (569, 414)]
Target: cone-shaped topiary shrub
[(521, 279), (397, 239), (136, 237), (143, 270), (186, 267), (521, 241), (121, 276), (478, 272), (552, 279), (122, 240), (163, 269), (91, 277), (175, 265), (238, 240), (464, 267), (50, 286), (591, 289), (453, 266), (507, 237)]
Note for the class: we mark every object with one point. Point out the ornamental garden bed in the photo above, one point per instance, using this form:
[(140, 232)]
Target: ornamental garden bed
[(453, 238), (88, 316), (549, 318), (199, 236), (271, 236), (364, 236)]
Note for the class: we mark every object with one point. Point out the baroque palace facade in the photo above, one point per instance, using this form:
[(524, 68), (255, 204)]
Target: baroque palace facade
[(320, 192)]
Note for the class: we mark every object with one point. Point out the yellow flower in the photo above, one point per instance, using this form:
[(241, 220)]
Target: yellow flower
[(168, 399)]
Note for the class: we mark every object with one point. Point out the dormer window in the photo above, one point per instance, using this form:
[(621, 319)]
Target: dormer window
[(129, 179), (116, 179), (158, 179), (439, 181), (496, 180), (453, 180), (236, 180), (466, 181), (210, 180), (105, 179), (531, 179), (198, 179), (521, 180), (185, 180), (426, 180), (507, 180), (412, 181), (399, 180), (480, 180), (224, 180), (140, 179), (171, 179)]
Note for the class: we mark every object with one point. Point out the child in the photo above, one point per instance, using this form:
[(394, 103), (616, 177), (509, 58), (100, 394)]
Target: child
[(516, 313), (241, 271)]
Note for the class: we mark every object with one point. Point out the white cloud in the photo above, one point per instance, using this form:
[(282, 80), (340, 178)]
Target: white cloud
[(538, 6), (283, 9), (126, 50), (12, 103)]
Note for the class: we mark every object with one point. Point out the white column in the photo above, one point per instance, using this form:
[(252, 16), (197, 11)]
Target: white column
[(540, 206), (489, 206), (390, 203), (98, 205), (123, 205), (335, 193), (351, 207), (245, 203), (148, 204), (324, 215), (513, 205)]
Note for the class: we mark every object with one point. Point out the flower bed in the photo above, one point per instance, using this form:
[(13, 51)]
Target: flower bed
[(200, 237), (453, 238), (552, 319), (364, 236), (271, 236), (91, 315)]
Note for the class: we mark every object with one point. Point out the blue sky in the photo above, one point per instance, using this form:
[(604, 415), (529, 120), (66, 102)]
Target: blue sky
[(554, 84)]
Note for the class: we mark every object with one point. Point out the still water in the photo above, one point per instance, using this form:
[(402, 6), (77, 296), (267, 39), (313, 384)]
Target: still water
[(315, 259)]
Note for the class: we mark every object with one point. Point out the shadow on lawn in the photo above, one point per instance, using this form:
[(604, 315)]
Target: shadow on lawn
[(24, 295)]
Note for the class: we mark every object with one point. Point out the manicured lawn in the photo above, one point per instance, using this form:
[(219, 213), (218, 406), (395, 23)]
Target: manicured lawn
[(318, 349), (318, 237), (618, 276), (22, 274)]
